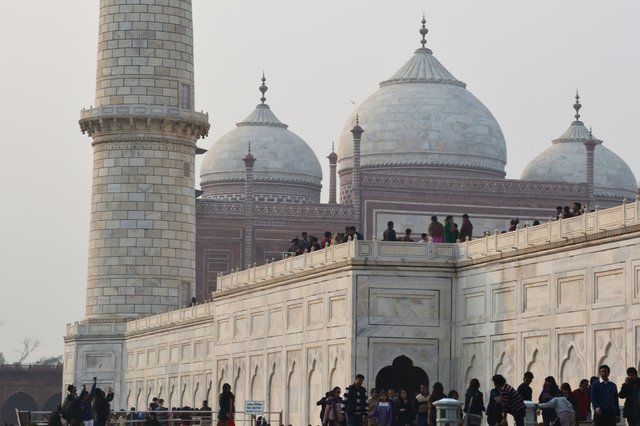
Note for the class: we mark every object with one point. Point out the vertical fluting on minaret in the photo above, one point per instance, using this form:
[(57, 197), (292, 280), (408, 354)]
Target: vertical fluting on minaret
[(144, 130), (333, 161), (357, 132), (249, 160)]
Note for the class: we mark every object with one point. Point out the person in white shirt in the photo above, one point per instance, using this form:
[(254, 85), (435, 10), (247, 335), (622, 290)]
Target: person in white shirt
[(563, 407)]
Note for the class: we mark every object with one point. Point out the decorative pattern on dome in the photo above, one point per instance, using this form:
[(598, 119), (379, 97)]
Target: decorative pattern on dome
[(423, 67), (262, 115)]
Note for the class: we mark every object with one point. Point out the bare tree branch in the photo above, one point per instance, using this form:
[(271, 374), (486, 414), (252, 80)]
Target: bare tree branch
[(29, 344)]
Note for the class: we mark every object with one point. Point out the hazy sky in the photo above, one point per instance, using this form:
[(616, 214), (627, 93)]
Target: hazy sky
[(523, 59)]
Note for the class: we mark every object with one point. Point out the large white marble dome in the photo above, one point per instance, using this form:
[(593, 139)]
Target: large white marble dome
[(423, 120), (285, 170), (566, 161)]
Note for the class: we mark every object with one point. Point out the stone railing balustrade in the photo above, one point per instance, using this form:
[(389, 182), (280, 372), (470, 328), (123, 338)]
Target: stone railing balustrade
[(626, 214), (126, 110)]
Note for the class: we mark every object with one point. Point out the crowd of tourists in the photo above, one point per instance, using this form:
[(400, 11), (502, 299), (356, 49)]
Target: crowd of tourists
[(566, 212), (92, 408), (437, 232), (595, 400), (309, 243)]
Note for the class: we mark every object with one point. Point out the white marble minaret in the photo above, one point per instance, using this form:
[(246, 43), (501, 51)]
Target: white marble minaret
[(144, 131)]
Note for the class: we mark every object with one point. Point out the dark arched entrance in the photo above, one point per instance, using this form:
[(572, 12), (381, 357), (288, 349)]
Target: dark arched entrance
[(53, 402), (20, 400), (402, 374)]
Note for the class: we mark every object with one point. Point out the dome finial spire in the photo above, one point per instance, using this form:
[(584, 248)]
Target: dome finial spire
[(263, 88), (423, 31), (577, 106)]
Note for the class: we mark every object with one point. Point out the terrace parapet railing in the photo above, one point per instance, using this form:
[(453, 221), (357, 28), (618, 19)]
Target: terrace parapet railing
[(553, 231)]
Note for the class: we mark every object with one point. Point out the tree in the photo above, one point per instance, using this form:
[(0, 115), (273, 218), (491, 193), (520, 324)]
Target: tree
[(29, 344), (2, 360), (49, 360)]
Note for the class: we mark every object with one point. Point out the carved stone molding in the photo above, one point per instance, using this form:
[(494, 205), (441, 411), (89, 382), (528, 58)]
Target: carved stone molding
[(112, 119), (150, 143)]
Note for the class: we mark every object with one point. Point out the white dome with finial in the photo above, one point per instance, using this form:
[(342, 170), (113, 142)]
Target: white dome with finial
[(285, 170), (566, 161), (423, 120)]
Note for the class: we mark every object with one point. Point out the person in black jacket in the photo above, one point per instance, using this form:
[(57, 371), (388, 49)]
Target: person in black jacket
[(404, 410), (474, 403), (630, 392), (102, 407), (323, 405), (355, 402)]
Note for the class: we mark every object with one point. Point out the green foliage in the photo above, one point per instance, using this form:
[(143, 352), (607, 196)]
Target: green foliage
[(50, 360), (2, 360)]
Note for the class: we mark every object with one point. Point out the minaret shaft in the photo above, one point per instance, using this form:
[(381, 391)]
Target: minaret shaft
[(144, 129)]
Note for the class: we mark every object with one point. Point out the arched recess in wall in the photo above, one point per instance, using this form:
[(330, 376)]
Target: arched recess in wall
[(505, 367), (402, 374), (314, 393), (148, 396), (128, 398), (613, 358), (207, 395), (275, 397), (539, 369), (52, 402), (140, 405), (293, 395), (470, 371), (196, 395), (572, 367), (238, 389), (256, 385), (336, 375), (172, 388), (221, 381), (19, 400)]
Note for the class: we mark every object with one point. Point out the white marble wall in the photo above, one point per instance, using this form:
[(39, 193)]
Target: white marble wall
[(287, 335), (557, 312)]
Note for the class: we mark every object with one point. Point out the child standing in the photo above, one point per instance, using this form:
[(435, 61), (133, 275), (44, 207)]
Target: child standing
[(383, 412)]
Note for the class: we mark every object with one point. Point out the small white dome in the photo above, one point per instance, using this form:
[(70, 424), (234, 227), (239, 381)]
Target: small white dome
[(566, 161), (422, 119), (285, 170)]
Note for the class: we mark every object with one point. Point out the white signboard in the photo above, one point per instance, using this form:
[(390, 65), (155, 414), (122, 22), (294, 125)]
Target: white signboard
[(254, 407)]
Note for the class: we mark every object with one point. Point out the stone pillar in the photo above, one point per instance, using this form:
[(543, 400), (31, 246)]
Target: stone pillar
[(449, 412), (590, 145), (144, 130), (530, 418), (249, 160), (333, 161), (355, 182)]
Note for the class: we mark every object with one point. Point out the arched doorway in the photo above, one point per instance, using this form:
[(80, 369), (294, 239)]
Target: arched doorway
[(402, 374), (53, 402), (20, 400)]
